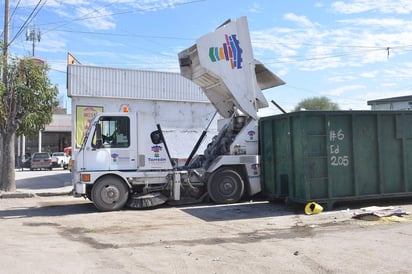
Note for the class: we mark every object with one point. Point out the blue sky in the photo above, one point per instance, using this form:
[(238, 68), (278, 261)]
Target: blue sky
[(351, 51)]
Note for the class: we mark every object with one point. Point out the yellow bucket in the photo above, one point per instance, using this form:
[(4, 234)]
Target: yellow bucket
[(313, 208)]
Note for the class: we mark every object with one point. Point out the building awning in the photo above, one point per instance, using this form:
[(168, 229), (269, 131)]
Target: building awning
[(60, 123)]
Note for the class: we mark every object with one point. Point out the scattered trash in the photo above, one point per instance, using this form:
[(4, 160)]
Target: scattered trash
[(296, 253), (313, 208), (217, 259), (374, 213)]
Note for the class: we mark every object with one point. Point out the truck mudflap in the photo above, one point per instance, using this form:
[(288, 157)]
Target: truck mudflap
[(254, 185)]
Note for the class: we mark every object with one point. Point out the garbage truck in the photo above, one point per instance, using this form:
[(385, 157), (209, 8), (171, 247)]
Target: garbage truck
[(124, 159)]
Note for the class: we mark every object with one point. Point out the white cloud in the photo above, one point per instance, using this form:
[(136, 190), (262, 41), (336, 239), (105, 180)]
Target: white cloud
[(255, 8), (97, 18), (300, 20), (342, 78), (50, 3), (378, 22), (388, 85), (369, 74), (382, 6), (351, 43), (343, 89), (154, 5), (319, 5), (98, 15)]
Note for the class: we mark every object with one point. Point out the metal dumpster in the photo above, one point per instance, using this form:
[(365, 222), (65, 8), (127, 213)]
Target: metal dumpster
[(331, 156)]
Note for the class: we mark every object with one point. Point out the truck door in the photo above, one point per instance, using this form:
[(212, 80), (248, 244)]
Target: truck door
[(112, 148)]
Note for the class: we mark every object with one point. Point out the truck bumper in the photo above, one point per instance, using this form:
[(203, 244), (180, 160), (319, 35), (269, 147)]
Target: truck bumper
[(79, 189)]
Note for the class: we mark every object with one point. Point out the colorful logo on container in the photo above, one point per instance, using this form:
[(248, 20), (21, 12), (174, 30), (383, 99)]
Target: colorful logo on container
[(156, 150), (255, 169), (115, 157), (230, 51), (251, 134)]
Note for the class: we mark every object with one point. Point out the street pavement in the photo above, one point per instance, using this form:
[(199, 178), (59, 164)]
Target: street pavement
[(40, 183)]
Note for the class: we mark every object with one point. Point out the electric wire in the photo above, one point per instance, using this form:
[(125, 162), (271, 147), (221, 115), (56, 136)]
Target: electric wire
[(87, 17), (367, 49), (12, 15), (125, 35), (28, 20)]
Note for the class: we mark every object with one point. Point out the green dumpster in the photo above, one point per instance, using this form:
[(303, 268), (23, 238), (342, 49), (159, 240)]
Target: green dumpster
[(330, 156)]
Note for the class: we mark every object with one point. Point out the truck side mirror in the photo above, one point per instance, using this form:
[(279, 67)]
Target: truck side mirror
[(156, 137)]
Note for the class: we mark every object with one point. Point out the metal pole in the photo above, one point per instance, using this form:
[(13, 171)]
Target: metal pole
[(279, 107), (40, 141), (33, 35), (6, 27), (33, 39), (6, 40)]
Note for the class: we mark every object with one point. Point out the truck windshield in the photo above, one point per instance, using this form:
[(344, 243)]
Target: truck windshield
[(86, 136), (115, 132)]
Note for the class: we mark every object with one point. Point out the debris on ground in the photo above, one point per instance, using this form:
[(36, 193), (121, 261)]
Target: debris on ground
[(374, 213)]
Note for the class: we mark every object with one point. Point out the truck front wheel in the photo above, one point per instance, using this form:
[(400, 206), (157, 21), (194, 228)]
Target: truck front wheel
[(225, 186), (109, 193)]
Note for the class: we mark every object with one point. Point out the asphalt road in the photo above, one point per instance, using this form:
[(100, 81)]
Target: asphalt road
[(40, 182), (62, 234)]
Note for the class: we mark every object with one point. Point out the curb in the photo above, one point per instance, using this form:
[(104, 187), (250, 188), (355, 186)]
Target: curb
[(12, 195), (8, 195), (48, 194)]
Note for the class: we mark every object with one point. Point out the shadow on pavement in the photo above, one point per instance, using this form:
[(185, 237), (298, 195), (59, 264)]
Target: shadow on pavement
[(239, 211), (47, 211), (44, 182)]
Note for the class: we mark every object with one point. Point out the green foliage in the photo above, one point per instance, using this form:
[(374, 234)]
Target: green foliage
[(317, 103), (28, 100)]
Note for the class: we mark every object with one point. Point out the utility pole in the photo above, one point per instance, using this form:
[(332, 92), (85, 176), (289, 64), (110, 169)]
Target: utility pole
[(4, 72), (6, 27), (33, 35), (6, 39)]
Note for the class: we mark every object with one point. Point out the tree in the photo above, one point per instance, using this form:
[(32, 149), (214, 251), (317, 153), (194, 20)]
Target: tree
[(317, 103), (27, 99)]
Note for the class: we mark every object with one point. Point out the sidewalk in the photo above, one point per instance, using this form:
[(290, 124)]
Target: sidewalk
[(29, 193), (40, 183)]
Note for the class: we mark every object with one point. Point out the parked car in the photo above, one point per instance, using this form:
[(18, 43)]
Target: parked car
[(25, 161), (60, 159), (40, 160)]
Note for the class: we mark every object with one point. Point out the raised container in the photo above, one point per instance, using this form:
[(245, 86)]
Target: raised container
[(331, 156)]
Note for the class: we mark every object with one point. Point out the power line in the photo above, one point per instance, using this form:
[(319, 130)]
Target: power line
[(12, 15), (31, 16), (316, 45), (320, 57), (14, 10), (86, 17), (126, 35)]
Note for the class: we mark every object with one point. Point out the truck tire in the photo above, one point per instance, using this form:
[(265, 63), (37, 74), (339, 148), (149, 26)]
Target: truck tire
[(109, 193), (225, 186)]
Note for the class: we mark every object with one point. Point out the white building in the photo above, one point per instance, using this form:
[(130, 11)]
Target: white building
[(394, 103), (177, 104)]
